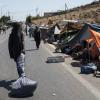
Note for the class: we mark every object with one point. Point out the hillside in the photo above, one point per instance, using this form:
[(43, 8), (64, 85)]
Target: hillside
[(89, 13)]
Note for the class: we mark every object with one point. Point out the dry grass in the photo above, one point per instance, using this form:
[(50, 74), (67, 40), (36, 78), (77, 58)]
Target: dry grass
[(87, 13)]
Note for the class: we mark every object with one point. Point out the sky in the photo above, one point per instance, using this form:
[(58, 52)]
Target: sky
[(19, 9)]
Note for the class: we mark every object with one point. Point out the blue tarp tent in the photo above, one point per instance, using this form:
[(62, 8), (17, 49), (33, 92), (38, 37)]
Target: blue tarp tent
[(83, 33)]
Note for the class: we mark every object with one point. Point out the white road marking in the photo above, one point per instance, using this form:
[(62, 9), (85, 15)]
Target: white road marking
[(85, 83)]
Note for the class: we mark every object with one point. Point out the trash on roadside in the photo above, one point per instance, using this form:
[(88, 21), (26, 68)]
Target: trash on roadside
[(55, 59), (88, 69)]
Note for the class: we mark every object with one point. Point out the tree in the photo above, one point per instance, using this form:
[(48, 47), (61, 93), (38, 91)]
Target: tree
[(28, 19), (4, 19)]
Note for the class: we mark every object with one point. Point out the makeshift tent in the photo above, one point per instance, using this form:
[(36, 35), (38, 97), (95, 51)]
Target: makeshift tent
[(91, 45), (44, 32), (57, 30), (89, 40), (96, 37), (71, 24), (51, 35), (84, 33), (51, 29)]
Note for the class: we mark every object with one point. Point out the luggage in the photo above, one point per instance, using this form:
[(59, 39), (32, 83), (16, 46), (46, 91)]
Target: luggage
[(55, 59), (88, 69), (23, 87)]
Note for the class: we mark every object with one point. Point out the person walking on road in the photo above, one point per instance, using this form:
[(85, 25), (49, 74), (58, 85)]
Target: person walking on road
[(16, 47), (31, 31), (37, 37), (26, 30), (17, 52)]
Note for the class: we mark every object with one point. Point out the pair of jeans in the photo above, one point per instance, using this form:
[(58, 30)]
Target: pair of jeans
[(20, 62)]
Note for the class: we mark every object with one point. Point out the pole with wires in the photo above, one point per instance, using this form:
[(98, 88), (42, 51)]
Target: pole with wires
[(65, 10)]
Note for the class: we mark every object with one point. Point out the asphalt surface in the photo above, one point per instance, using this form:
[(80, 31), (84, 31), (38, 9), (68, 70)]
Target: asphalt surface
[(55, 82)]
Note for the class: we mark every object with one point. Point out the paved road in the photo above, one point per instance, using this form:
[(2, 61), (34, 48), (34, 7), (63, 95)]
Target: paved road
[(55, 82)]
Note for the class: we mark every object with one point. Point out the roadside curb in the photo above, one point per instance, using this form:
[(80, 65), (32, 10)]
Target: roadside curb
[(52, 46), (92, 88)]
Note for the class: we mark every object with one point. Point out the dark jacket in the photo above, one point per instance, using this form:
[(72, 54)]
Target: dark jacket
[(16, 44), (37, 34)]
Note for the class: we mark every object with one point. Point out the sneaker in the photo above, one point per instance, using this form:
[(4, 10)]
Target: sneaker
[(16, 84), (23, 82), (27, 82)]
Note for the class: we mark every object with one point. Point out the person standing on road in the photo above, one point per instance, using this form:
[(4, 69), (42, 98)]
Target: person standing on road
[(26, 30), (17, 52), (37, 36), (31, 31), (16, 48)]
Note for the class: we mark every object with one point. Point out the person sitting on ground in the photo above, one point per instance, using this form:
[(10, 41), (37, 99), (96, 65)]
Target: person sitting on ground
[(90, 52)]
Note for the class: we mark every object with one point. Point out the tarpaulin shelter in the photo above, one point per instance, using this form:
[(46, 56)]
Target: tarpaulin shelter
[(71, 24), (44, 31), (54, 31), (84, 33), (91, 45), (69, 28), (51, 29), (96, 37), (89, 40), (57, 30)]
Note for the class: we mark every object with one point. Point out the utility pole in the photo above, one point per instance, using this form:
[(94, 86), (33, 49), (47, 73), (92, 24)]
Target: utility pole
[(1, 12), (36, 11), (65, 10), (8, 13)]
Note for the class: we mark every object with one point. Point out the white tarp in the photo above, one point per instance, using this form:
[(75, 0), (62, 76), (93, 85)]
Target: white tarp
[(57, 31)]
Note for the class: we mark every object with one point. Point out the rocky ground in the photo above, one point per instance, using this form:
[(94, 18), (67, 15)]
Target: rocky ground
[(89, 13)]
